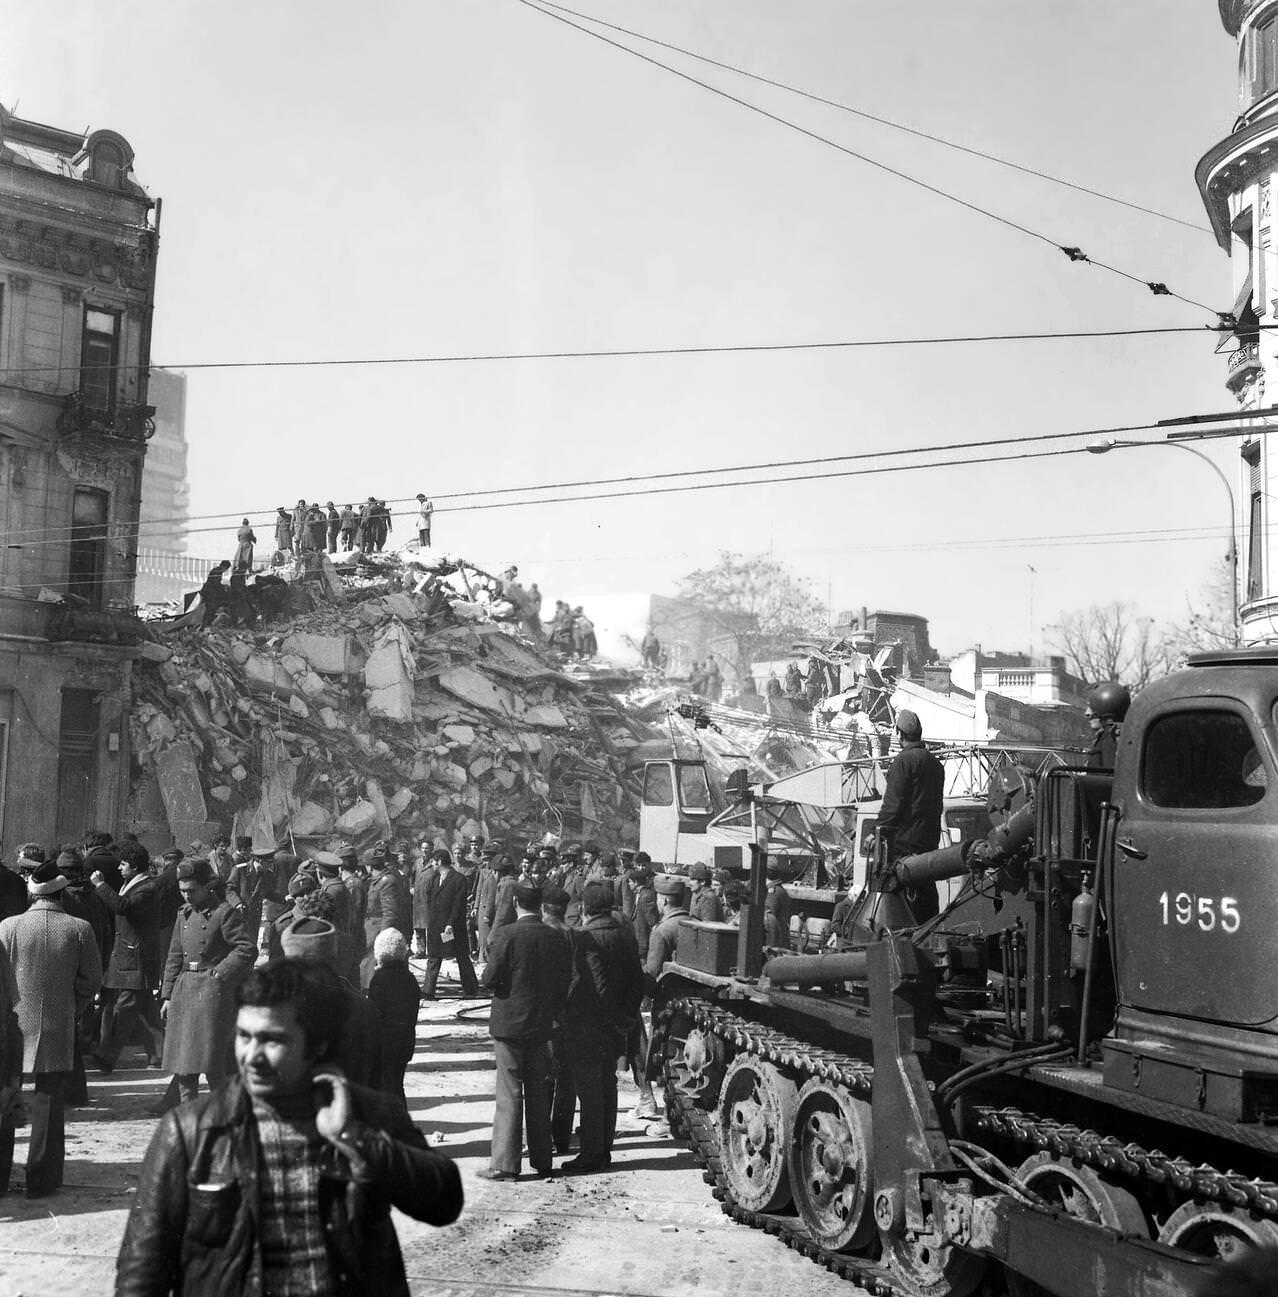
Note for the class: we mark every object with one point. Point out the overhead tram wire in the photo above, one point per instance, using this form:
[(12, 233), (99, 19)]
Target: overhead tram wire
[(621, 353), (1074, 253), (895, 452), (790, 88)]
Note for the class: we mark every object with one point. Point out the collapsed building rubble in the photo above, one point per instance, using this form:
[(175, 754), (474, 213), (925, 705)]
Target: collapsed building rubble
[(378, 713)]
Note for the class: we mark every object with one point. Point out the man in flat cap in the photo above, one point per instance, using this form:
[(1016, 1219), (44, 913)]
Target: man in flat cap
[(252, 885), (57, 970), (210, 954), (913, 799), (528, 971)]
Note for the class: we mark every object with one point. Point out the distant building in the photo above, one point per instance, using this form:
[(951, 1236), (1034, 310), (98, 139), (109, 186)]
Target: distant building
[(881, 627), (1237, 178), (1037, 681), (77, 275), (163, 573)]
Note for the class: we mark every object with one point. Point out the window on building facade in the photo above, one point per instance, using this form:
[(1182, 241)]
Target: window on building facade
[(87, 572), (1260, 60), (99, 354), (1254, 578)]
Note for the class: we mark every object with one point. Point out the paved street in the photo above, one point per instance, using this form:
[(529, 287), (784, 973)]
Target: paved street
[(649, 1226)]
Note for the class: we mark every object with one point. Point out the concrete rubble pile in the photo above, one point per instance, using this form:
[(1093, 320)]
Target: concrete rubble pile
[(380, 713)]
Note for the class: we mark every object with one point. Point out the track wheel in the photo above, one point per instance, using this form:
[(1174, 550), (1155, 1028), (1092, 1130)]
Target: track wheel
[(831, 1166), (1214, 1229), (1079, 1191), (756, 1113)]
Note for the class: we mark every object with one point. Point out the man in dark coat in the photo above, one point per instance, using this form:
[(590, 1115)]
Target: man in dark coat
[(389, 904), (210, 953), (447, 902), (334, 526), (606, 991), (131, 973), (13, 891), (913, 800), (357, 1042), (283, 531), (527, 972), (284, 1179)]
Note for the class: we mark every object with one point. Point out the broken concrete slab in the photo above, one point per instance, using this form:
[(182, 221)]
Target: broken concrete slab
[(357, 821), (328, 654), (476, 688), (177, 770)]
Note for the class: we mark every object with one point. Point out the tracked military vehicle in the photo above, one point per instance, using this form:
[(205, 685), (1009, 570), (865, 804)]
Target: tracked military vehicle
[(1067, 1081)]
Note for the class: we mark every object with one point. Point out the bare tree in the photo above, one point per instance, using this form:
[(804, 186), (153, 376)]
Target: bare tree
[(1113, 642), (756, 603), (1211, 626)]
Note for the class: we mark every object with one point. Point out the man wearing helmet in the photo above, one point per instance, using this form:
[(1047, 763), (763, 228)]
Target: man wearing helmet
[(1107, 705)]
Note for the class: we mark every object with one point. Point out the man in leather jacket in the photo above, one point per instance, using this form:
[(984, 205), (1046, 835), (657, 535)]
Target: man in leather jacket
[(282, 1181)]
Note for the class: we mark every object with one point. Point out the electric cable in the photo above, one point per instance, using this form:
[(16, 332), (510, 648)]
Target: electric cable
[(896, 452), (622, 353), (790, 88), (1075, 254)]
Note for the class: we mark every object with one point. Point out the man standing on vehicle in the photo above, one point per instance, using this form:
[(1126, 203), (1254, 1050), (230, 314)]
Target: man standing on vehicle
[(282, 1180), (913, 800)]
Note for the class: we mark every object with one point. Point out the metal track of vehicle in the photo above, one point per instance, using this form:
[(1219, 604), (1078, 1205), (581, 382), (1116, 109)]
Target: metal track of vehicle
[(702, 1133), (1108, 1153), (1104, 1152)]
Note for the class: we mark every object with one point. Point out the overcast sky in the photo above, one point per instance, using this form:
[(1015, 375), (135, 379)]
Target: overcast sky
[(461, 177)]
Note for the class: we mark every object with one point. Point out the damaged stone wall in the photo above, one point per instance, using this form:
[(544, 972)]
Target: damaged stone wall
[(381, 714)]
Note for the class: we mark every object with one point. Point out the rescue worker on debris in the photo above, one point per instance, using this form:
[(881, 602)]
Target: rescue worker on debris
[(283, 531), (334, 526), (425, 516), (348, 521), (913, 799), (1107, 706), (299, 526)]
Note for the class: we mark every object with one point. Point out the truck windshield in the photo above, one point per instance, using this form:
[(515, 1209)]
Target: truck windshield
[(1202, 759)]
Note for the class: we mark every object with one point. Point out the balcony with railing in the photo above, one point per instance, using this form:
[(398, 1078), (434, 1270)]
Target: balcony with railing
[(1243, 363), (87, 417)]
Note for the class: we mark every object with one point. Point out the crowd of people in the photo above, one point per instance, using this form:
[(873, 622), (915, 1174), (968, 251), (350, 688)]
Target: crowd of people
[(324, 528), (187, 961)]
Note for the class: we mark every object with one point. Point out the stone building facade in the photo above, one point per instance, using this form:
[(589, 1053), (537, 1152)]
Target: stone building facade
[(1237, 178), (78, 239)]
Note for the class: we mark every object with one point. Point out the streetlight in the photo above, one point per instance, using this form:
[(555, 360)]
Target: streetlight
[(1103, 445)]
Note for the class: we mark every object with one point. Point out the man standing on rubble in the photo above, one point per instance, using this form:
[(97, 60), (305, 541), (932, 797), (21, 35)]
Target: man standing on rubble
[(283, 531), (425, 516), (299, 527), (334, 526), (349, 520)]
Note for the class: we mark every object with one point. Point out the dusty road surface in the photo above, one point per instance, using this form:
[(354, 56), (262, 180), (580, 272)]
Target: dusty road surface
[(646, 1227)]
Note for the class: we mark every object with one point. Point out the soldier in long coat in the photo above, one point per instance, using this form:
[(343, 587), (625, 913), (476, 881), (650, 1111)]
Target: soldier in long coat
[(210, 954), (58, 970)]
